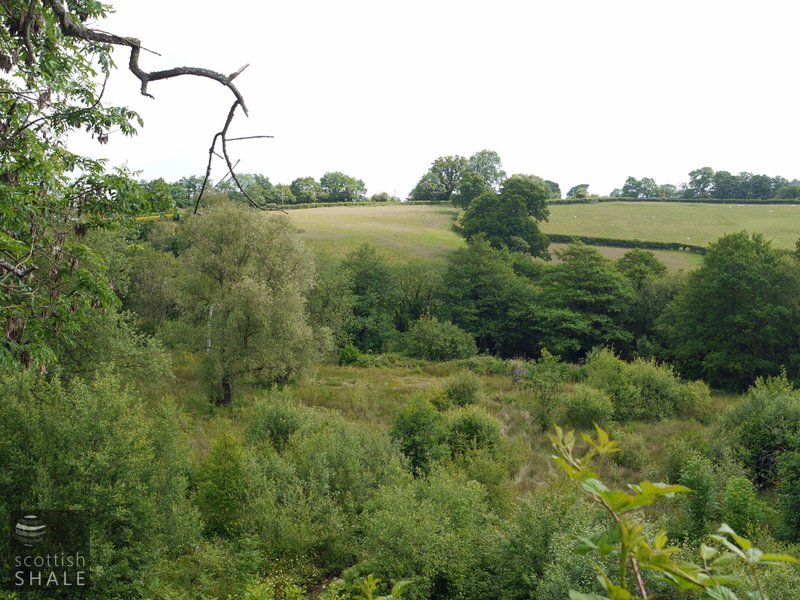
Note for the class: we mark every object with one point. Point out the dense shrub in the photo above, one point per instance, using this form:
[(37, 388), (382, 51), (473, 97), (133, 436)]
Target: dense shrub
[(643, 390), (90, 446), (223, 487), (694, 402), (274, 417), (633, 450), (697, 475), (537, 558), (584, 406), (472, 427), (789, 493), (546, 376), (349, 354), (606, 372), (432, 339), (764, 426), (742, 509), (438, 532), (463, 388), (421, 433)]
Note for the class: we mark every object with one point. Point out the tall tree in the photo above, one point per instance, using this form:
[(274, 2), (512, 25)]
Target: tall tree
[(701, 182), (339, 187), (510, 219), (739, 316), (488, 165), (441, 180), (306, 190), (245, 278)]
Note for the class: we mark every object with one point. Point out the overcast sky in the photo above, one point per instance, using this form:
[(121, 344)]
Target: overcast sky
[(581, 91)]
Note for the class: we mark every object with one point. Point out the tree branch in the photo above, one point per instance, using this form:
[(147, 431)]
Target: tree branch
[(72, 29)]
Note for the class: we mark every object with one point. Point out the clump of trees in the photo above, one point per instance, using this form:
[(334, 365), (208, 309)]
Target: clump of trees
[(707, 183)]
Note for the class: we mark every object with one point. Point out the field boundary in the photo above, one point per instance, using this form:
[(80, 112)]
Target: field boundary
[(561, 238)]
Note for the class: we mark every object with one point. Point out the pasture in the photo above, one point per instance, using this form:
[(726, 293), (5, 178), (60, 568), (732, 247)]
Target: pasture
[(691, 223), (406, 234)]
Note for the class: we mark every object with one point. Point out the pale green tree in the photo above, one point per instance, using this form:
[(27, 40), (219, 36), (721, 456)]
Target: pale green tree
[(245, 278)]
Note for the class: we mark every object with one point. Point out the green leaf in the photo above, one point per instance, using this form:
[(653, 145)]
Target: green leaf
[(777, 558), (719, 592)]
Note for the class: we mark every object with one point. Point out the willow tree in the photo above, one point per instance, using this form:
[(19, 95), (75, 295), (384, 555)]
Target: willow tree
[(245, 278)]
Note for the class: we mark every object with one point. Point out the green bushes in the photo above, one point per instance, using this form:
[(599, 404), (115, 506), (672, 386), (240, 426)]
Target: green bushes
[(643, 390), (742, 509), (439, 532), (463, 388), (472, 428), (274, 418), (697, 475), (584, 406), (432, 339), (90, 446), (421, 432), (763, 426)]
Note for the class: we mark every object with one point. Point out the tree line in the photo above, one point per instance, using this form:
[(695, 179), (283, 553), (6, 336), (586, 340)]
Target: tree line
[(707, 183)]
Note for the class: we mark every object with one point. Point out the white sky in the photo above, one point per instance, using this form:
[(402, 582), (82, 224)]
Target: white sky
[(580, 91)]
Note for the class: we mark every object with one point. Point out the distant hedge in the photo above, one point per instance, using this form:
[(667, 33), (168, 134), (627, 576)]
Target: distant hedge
[(327, 204), (616, 243), (601, 199)]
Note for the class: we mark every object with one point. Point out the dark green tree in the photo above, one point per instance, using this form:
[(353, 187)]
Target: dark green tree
[(306, 190), (596, 293), (339, 187), (375, 299), (470, 187), (441, 180), (738, 318)]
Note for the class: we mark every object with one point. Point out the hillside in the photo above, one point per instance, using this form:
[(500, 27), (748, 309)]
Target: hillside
[(676, 222), (405, 234)]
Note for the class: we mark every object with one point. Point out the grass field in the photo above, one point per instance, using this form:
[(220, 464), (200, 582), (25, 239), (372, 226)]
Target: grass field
[(696, 224), (401, 233), (406, 234)]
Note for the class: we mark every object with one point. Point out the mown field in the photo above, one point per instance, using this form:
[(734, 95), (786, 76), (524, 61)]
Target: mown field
[(696, 224)]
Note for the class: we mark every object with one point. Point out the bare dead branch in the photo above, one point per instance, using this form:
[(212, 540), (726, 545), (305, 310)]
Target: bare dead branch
[(76, 30), (251, 137)]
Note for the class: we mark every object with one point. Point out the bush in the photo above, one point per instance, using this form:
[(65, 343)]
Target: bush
[(697, 474), (742, 509), (643, 390), (90, 446), (585, 406), (463, 388), (349, 354), (223, 487), (789, 493), (546, 376), (471, 428), (432, 339), (633, 450), (694, 402), (763, 426), (437, 531), (275, 417), (608, 373), (421, 432)]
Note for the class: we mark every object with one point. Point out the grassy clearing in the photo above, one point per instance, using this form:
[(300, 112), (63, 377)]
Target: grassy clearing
[(402, 234), (676, 222)]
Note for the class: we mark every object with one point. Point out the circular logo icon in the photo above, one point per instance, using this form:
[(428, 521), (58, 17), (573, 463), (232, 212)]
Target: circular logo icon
[(30, 530)]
